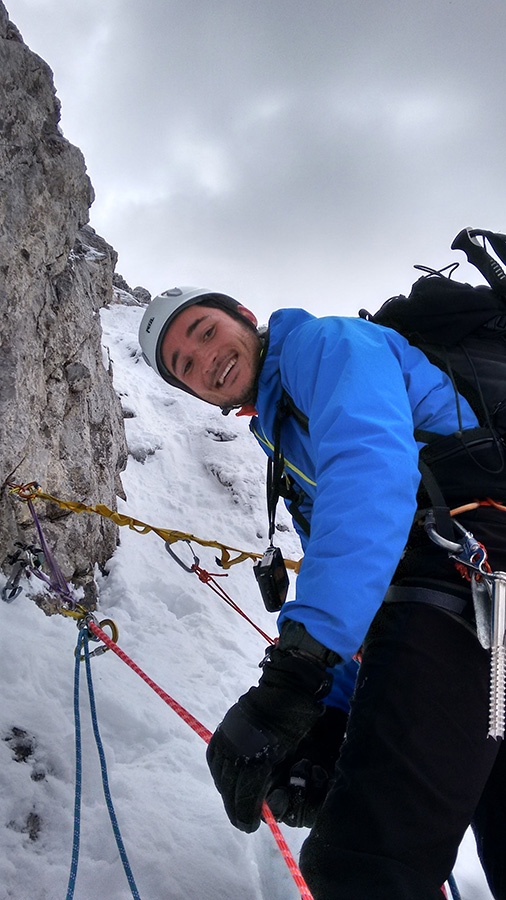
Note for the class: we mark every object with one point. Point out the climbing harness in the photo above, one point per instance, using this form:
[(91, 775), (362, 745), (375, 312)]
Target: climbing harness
[(91, 629)]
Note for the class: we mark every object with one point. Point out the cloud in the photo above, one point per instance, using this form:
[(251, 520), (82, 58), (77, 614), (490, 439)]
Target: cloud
[(276, 143)]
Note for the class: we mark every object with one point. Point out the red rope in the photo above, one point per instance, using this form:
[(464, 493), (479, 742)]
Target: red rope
[(209, 579), (206, 735)]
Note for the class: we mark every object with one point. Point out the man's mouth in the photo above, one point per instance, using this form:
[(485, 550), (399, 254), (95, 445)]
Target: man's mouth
[(230, 365)]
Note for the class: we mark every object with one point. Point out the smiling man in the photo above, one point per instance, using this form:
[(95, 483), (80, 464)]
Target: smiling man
[(388, 806)]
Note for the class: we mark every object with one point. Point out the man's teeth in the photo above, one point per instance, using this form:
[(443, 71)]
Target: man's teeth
[(226, 371)]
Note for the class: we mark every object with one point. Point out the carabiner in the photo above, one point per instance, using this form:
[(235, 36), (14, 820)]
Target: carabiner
[(27, 559), (438, 539), (11, 590), (25, 491), (196, 560), (84, 622), (473, 554)]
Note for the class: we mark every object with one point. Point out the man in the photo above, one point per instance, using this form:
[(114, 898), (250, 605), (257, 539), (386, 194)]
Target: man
[(416, 767)]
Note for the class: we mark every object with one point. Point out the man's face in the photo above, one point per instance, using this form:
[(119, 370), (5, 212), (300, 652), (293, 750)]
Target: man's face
[(214, 354)]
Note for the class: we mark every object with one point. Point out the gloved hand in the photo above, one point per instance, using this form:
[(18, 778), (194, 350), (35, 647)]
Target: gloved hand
[(301, 782), (262, 728)]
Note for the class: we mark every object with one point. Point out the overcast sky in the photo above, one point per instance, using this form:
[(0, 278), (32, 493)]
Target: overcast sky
[(288, 152)]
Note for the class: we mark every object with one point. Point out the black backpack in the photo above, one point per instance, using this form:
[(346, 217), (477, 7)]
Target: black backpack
[(461, 329)]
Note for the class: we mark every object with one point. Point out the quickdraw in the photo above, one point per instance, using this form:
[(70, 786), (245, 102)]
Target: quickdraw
[(25, 561), (210, 580)]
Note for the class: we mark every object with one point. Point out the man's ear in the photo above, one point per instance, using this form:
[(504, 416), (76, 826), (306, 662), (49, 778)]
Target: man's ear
[(247, 314)]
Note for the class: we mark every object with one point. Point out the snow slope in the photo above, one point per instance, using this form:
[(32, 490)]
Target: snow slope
[(192, 470)]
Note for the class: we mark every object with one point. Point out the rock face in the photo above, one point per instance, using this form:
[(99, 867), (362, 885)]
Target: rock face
[(60, 420)]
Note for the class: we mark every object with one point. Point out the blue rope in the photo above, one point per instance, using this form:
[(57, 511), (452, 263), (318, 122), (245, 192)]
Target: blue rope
[(77, 801), (82, 640), (105, 779)]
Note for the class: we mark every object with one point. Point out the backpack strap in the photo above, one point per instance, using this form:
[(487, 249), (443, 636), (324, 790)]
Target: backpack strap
[(279, 482), (440, 509), (290, 408)]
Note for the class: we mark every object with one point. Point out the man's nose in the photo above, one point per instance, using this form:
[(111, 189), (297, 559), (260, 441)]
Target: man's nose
[(209, 360)]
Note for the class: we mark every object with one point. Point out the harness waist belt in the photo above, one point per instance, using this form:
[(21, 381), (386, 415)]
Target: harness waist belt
[(440, 599)]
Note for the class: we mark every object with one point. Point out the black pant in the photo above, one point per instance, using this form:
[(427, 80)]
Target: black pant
[(416, 767)]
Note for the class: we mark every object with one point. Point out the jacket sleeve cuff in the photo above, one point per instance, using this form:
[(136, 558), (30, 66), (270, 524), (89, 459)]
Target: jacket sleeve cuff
[(295, 639)]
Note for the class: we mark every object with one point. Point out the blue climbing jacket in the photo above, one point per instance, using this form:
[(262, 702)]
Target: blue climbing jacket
[(364, 389)]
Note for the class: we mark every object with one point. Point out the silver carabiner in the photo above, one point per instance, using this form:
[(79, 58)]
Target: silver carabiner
[(196, 560)]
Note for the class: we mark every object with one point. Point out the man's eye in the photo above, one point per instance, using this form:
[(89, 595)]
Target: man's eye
[(208, 333), (187, 367)]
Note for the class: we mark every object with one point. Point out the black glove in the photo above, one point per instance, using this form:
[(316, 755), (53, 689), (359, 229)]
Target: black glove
[(301, 782), (263, 727)]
